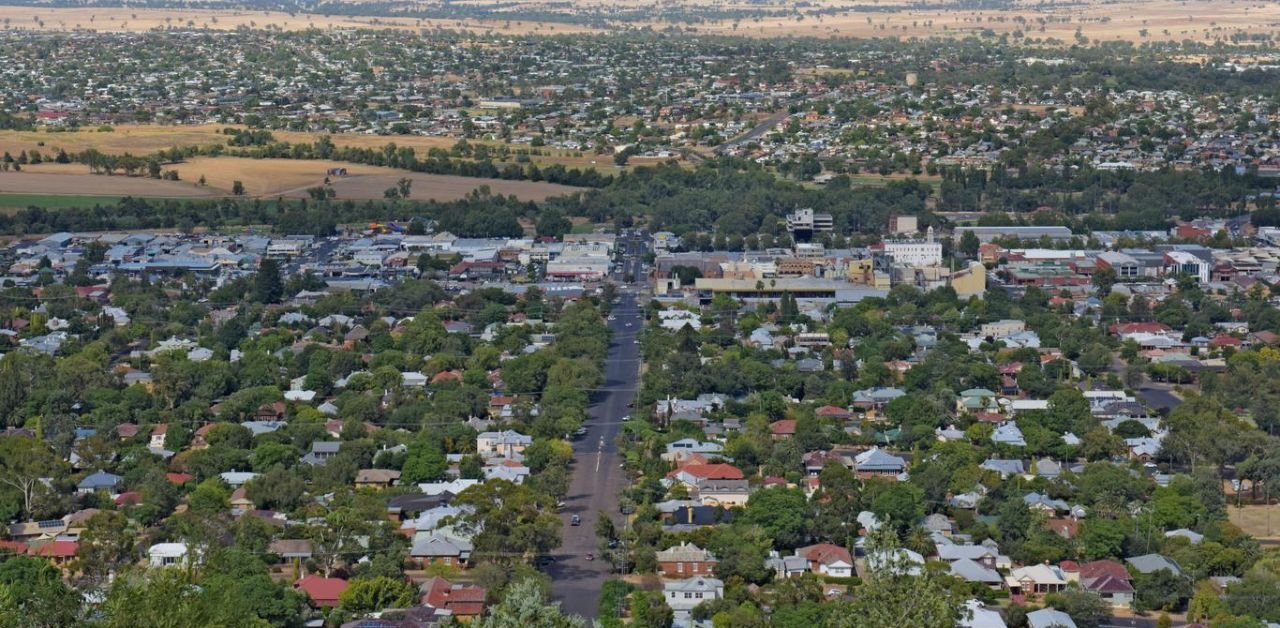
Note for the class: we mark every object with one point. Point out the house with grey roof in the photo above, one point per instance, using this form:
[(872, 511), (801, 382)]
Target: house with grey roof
[(1151, 563), (1005, 468), (1049, 618), (321, 452), (970, 570), (100, 481)]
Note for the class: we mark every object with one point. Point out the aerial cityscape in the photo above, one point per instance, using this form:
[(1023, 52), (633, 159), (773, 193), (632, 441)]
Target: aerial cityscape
[(661, 314)]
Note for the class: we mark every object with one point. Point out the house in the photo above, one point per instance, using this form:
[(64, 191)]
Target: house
[(167, 554), (877, 462), (828, 560), (726, 493), (972, 571), (295, 550), (694, 517), (787, 566), (158, 434), (441, 546), (1049, 618), (691, 474), (1036, 580), (782, 430), (1005, 468), (1151, 563), (100, 481), (59, 551), (683, 595), (323, 592), (504, 444), (461, 601), (681, 449), (240, 500), (321, 452), (978, 616), (1108, 579), (1008, 434), (376, 478), (684, 560)]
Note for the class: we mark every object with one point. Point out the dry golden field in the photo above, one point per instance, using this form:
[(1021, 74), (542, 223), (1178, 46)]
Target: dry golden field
[(1107, 21), (144, 139), (1258, 521), (76, 181), (110, 19), (263, 178)]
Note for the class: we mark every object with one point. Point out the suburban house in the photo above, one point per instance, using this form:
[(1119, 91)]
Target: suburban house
[(1049, 618), (726, 493), (440, 547), (828, 560), (1107, 578), (166, 554), (100, 481), (683, 595), (323, 592), (691, 474), (684, 560), (505, 444), (1036, 580), (376, 478), (461, 601), (877, 462)]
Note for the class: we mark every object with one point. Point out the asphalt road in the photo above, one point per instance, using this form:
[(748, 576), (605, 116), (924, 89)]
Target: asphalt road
[(598, 479), (756, 132)]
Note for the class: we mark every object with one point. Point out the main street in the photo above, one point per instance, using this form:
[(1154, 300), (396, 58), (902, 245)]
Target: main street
[(598, 479)]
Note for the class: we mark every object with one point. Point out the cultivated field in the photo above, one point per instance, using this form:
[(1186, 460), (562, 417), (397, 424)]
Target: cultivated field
[(76, 181), (1132, 20)]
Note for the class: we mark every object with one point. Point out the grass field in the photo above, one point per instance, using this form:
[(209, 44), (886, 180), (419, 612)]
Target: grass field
[(145, 139), (9, 202), (1262, 522), (267, 178), (1131, 20)]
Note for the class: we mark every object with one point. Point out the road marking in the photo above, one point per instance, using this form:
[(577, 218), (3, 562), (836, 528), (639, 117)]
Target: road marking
[(599, 456)]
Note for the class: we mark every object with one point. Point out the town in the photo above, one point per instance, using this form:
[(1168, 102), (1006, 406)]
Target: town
[(394, 325)]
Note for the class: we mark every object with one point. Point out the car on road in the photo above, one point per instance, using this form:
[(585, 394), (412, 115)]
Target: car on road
[(580, 431), (575, 520), (543, 561)]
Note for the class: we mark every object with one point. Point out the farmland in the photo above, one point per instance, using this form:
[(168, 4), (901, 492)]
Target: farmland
[(266, 178), (1128, 20)]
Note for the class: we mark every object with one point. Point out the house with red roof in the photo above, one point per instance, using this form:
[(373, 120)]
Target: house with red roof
[(1109, 579), (59, 551), (826, 559), (462, 601), (1125, 329), (782, 430), (323, 592), (833, 412), (691, 474)]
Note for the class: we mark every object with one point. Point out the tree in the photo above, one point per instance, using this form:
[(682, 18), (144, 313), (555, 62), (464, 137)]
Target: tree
[(649, 609), (375, 594), (237, 187), (277, 489), (526, 605), (1087, 610), (969, 244), (268, 287), (23, 461), (509, 521), (781, 513), (33, 594), (892, 598), (106, 544), (1160, 590), (424, 462)]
